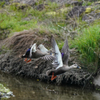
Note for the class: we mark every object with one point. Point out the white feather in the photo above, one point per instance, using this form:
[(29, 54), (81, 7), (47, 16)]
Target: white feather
[(43, 48), (33, 49), (58, 57)]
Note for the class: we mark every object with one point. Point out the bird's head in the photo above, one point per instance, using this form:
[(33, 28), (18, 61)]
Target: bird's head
[(76, 66)]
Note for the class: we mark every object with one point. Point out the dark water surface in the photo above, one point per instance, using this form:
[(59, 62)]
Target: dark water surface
[(32, 89)]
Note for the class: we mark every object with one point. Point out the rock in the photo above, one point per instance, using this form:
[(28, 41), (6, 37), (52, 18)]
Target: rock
[(88, 10), (29, 2), (76, 11), (97, 3), (91, 17), (4, 92), (75, 3), (61, 2), (0, 95), (40, 7)]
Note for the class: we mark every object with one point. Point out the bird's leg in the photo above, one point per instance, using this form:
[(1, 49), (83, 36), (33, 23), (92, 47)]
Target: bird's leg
[(53, 77), (28, 60), (25, 59)]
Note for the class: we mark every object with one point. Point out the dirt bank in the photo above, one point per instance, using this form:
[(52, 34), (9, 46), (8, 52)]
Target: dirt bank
[(16, 45)]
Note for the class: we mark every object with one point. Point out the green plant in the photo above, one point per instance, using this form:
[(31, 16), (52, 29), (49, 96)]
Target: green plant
[(87, 3), (2, 3), (88, 44)]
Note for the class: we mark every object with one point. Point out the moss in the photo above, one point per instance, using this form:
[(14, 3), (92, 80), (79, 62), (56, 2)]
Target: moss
[(67, 5), (2, 3), (51, 13), (64, 10), (88, 10), (4, 89)]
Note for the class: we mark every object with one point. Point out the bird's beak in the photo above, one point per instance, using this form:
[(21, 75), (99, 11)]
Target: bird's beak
[(78, 67)]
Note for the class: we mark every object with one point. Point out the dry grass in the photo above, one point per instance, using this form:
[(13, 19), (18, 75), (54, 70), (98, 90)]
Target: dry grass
[(21, 41)]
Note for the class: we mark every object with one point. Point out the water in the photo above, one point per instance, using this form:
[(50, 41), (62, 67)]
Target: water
[(32, 89)]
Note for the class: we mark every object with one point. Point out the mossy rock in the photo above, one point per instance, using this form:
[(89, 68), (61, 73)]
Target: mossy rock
[(64, 10), (3, 89), (88, 10), (52, 13), (5, 92)]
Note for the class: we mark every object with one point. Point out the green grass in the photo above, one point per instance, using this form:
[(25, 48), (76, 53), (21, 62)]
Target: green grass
[(87, 3), (88, 44), (15, 23), (2, 3), (13, 19)]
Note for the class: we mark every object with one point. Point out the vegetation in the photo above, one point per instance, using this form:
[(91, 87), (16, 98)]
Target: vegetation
[(88, 44), (3, 89), (18, 17)]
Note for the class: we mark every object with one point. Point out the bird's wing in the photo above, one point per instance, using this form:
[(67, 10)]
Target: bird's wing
[(65, 52), (43, 48), (47, 58), (58, 57), (31, 50)]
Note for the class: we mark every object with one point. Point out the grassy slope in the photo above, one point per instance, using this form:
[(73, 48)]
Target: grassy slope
[(52, 19), (88, 45), (13, 19)]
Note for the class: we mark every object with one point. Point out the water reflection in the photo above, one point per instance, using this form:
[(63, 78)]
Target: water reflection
[(28, 89)]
